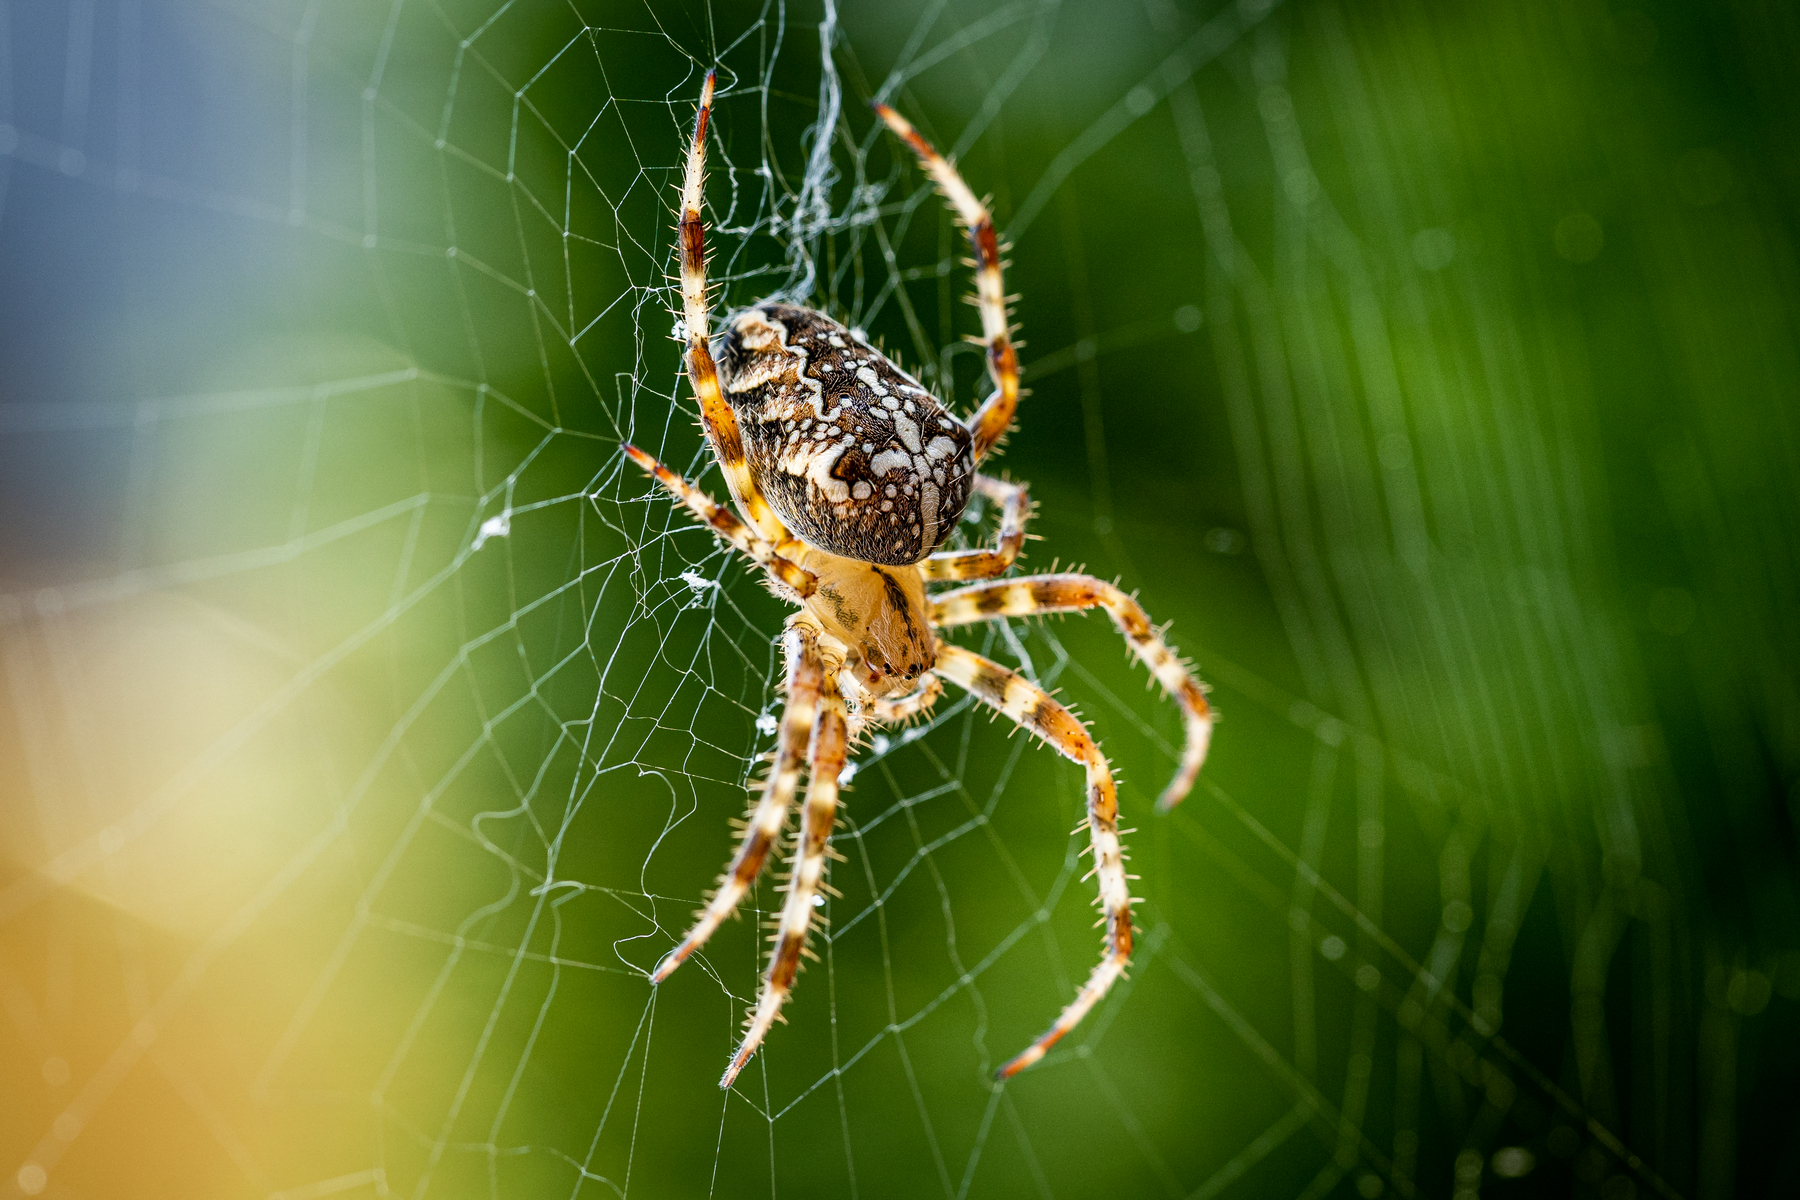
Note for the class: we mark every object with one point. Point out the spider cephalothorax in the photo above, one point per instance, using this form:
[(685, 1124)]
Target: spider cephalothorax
[(849, 476)]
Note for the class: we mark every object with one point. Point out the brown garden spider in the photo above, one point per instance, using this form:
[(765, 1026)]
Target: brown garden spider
[(849, 475)]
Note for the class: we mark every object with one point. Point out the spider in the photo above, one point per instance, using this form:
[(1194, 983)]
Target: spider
[(848, 475)]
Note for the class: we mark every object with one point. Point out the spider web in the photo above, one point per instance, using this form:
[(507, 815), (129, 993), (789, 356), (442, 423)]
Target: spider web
[(379, 729)]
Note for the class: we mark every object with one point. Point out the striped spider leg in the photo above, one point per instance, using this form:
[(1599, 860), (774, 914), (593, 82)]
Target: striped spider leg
[(1004, 690), (806, 683), (1030, 707), (808, 875), (764, 539), (812, 731), (1015, 510), (995, 416), (896, 710), (1034, 594), (716, 416), (715, 516)]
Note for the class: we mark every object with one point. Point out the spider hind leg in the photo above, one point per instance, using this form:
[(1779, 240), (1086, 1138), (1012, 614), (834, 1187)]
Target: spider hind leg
[(1030, 707), (808, 879), (805, 681)]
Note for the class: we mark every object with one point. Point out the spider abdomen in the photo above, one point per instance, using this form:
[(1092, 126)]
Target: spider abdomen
[(855, 456)]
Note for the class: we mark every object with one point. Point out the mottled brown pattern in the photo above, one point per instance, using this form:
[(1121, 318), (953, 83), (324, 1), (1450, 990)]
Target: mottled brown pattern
[(852, 453), (897, 599), (989, 603)]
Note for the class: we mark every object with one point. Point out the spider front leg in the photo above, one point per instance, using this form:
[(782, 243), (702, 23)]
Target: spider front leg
[(828, 751), (1074, 593), (995, 416), (891, 710), (1030, 707), (1015, 509), (888, 710), (715, 414), (716, 517), (805, 680)]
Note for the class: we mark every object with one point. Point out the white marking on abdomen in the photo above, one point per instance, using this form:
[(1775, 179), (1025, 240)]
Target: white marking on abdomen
[(928, 515), (819, 471), (908, 431)]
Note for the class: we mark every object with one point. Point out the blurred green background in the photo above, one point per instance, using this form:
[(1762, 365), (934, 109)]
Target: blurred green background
[(369, 730)]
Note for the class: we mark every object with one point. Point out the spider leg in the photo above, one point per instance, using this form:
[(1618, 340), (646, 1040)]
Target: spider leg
[(994, 417), (816, 820), (1015, 508), (1030, 707), (1074, 593), (719, 519), (805, 678), (866, 710), (715, 414), (887, 710)]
